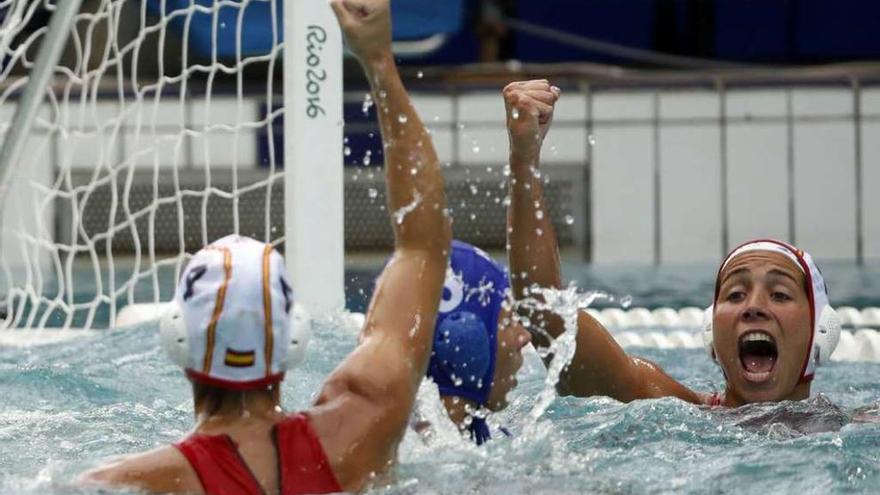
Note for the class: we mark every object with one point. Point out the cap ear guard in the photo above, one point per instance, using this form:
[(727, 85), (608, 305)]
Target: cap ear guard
[(300, 336), (173, 336), (827, 335), (461, 345), (708, 337)]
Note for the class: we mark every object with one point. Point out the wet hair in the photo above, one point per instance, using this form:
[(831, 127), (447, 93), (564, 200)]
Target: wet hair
[(212, 399)]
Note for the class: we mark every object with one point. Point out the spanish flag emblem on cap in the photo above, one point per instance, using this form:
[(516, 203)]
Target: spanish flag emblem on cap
[(239, 359)]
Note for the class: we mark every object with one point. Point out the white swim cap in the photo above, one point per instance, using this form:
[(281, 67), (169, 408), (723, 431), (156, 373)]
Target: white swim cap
[(823, 318), (231, 322)]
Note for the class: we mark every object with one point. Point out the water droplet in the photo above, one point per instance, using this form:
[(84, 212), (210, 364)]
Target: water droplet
[(626, 301), (413, 171), (539, 214), (368, 104), (457, 381), (473, 216), (346, 151), (402, 118), (368, 157), (569, 220), (592, 139), (476, 148), (420, 74), (373, 193), (539, 232), (345, 140), (514, 114), (474, 189)]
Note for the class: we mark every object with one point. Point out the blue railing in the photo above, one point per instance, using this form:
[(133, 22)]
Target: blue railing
[(413, 19)]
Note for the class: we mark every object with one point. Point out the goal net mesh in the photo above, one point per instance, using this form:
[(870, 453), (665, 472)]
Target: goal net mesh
[(160, 132)]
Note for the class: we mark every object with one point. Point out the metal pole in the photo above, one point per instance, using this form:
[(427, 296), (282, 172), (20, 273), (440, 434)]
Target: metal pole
[(50, 51), (658, 231), (586, 237), (790, 168), (725, 173), (859, 165)]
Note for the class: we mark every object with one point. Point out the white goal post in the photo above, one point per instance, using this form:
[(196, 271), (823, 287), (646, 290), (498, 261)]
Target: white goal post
[(156, 129)]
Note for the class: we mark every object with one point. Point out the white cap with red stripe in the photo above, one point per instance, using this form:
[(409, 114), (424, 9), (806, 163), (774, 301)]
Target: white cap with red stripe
[(232, 323), (826, 323)]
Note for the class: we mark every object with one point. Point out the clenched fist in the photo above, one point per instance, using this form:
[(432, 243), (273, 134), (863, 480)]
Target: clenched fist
[(529, 115), (367, 27)]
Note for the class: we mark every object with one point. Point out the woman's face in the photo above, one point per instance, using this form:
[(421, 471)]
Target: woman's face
[(762, 327)]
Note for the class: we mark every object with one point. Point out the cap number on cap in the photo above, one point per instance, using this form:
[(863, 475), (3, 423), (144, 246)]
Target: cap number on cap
[(453, 292), (191, 276), (288, 292)]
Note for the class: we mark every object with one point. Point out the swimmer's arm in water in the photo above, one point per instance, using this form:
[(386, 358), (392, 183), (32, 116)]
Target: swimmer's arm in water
[(162, 470), (363, 409), (600, 366)]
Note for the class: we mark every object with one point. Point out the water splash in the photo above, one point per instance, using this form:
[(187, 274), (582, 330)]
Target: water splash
[(401, 213), (566, 303)]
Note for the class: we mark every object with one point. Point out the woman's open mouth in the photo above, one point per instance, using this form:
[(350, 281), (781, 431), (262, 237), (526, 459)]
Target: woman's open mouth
[(757, 353)]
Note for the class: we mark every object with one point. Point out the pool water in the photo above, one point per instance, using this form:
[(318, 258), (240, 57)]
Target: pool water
[(68, 406)]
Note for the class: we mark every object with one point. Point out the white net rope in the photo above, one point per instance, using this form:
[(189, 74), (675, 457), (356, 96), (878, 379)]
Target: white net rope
[(156, 136)]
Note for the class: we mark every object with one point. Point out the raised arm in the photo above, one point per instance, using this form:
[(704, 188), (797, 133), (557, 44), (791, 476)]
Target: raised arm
[(600, 366), (363, 408)]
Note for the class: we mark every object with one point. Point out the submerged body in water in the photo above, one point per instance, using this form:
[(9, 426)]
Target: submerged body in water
[(795, 418)]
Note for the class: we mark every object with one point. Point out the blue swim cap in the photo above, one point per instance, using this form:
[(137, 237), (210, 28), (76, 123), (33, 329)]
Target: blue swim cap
[(465, 336)]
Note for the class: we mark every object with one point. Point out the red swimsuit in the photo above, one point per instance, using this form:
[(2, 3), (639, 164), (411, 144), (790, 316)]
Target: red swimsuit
[(303, 466)]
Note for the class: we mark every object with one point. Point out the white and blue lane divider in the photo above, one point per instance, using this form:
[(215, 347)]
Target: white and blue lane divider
[(663, 328), (668, 328)]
